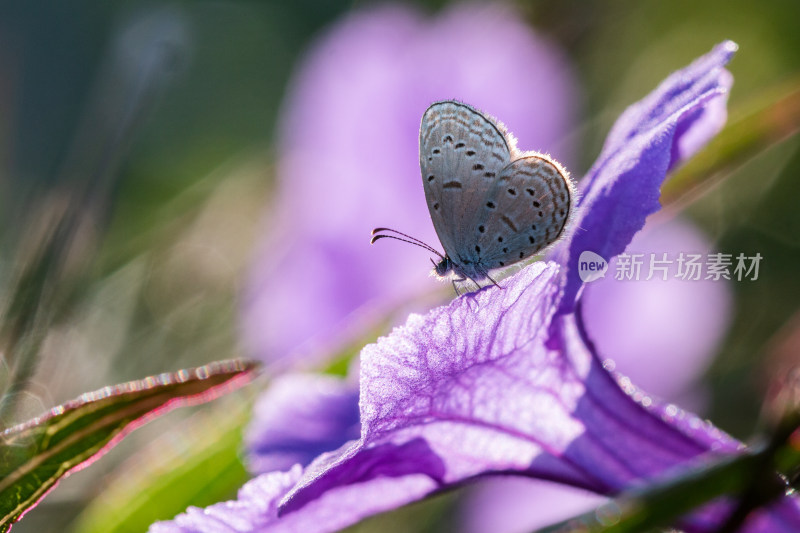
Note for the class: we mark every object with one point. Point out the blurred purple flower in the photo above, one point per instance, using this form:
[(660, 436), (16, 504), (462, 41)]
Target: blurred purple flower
[(671, 326), (515, 504), (507, 380), (300, 417), (348, 162)]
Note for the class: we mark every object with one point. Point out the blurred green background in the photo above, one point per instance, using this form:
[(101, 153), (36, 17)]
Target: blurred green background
[(169, 151)]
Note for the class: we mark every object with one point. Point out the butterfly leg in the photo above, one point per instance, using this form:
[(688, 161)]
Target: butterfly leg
[(477, 285), (485, 273), (455, 287), (459, 280)]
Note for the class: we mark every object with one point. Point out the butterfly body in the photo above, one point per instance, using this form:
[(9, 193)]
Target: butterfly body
[(491, 205), (462, 269)]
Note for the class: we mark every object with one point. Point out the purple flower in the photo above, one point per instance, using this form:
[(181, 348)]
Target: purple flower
[(660, 333), (671, 326), (515, 504), (652, 136), (300, 417), (508, 380), (349, 161)]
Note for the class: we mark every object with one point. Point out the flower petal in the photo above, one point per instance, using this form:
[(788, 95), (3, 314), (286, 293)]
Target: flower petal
[(623, 186), (514, 504), (477, 384), (678, 93), (475, 388), (256, 508), (300, 417)]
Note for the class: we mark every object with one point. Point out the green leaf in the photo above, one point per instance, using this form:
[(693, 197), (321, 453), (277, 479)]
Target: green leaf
[(161, 480), (34, 456)]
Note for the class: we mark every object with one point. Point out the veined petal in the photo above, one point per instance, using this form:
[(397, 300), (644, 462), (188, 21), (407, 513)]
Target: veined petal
[(256, 508), (623, 186), (477, 387), (677, 92)]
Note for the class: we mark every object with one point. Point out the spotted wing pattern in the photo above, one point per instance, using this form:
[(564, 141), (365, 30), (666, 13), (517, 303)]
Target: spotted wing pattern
[(491, 205), (525, 211), (461, 153)]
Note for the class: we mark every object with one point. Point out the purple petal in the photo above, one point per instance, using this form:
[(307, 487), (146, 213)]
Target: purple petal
[(256, 508), (300, 417), (349, 161), (660, 333), (474, 388), (471, 389), (475, 382), (513, 504), (678, 94), (662, 348), (623, 186)]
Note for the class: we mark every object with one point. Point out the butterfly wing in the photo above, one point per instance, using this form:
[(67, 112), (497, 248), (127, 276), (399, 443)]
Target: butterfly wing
[(531, 198), (461, 154)]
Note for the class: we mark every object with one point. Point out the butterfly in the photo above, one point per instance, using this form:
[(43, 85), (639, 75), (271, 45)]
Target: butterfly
[(491, 204)]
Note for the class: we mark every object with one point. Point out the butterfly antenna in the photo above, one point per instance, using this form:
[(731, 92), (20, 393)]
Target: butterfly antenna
[(378, 230), (421, 245), (408, 238)]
